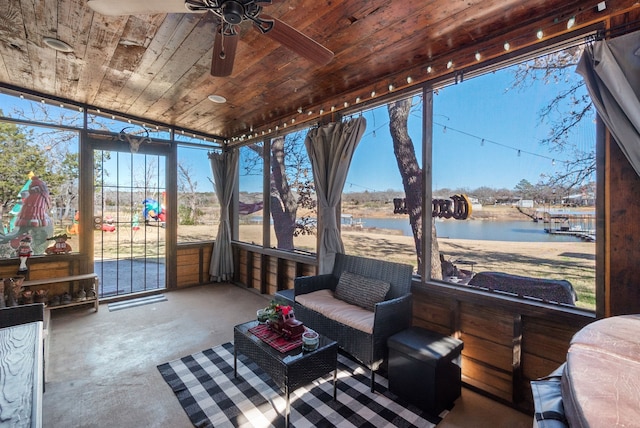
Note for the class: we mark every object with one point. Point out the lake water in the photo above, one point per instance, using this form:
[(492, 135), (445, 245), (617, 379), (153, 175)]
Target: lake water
[(517, 231)]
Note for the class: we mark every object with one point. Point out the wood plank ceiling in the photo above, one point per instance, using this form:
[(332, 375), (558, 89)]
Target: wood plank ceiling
[(156, 67)]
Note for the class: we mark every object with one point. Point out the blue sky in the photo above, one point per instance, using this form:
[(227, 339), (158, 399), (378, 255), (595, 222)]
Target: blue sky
[(464, 114)]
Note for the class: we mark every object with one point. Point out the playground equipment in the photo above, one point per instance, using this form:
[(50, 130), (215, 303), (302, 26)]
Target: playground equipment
[(153, 210)]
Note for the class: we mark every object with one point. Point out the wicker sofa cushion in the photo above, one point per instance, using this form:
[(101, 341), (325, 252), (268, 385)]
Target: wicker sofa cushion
[(325, 303), (360, 290)]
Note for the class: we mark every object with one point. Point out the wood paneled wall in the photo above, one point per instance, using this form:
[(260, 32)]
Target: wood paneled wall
[(193, 264), (620, 247), (268, 270), (42, 267), (507, 342)]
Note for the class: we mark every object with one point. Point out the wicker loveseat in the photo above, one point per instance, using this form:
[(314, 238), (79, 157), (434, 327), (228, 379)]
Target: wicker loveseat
[(359, 331)]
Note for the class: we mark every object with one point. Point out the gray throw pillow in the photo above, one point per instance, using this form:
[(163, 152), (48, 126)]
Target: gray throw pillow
[(360, 290)]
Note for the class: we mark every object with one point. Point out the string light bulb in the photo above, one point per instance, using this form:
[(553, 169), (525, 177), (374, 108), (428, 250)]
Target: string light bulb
[(571, 22), (478, 56), (449, 64), (540, 34), (429, 69), (507, 46)]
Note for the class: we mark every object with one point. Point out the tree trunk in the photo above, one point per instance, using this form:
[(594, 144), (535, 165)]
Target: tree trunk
[(411, 179), (284, 206)]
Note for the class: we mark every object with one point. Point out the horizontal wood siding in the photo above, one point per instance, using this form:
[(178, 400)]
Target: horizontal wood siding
[(193, 262), (44, 267), (242, 263), (507, 343), (272, 263), (288, 272), (256, 272), (308, 270)]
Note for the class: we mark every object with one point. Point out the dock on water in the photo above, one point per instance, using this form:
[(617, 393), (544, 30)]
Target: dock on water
[(576, 223)]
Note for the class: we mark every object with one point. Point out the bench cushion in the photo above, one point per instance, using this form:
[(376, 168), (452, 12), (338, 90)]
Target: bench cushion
[(324, 302), (360, 290)]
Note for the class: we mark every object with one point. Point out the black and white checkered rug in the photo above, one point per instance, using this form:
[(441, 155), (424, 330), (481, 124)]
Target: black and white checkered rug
[(212, 397)]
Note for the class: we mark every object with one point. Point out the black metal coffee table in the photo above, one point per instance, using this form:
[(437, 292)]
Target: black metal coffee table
[(289, 370)]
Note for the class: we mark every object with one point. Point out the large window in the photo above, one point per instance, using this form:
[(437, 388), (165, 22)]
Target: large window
[(198, 206), (292, 202), (250, 194), (386, 167), (39, 177), (520, 143), (292, 194)]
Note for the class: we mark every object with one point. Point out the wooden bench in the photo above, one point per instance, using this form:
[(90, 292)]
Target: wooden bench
[(70, 279)]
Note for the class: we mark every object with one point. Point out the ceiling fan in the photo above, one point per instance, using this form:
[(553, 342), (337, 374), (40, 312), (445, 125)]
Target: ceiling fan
[(231, 13)]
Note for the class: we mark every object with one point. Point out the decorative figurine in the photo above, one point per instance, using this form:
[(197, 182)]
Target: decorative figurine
[(283, 321), (60, 246), (24, 252)]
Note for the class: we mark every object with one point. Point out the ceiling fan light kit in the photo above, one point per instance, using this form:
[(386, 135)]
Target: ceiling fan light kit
[(233, 12)]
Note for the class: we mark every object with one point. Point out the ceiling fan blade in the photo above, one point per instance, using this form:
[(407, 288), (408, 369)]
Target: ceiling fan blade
[(300, 43), (137, 7), (224, 53)]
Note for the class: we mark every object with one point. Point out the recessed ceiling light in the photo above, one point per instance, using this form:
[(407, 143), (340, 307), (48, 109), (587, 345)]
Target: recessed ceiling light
[(56, 44), (217, 99)]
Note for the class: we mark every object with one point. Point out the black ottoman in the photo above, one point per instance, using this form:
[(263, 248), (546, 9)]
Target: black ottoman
[(424, 368)]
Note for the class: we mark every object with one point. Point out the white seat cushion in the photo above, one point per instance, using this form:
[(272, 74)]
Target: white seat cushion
[(324, 302)]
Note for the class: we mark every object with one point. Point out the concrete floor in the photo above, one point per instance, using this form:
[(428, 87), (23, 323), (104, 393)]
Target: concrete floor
[(101, 370)]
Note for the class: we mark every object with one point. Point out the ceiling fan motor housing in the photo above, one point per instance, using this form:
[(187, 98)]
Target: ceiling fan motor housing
[(232, 12)]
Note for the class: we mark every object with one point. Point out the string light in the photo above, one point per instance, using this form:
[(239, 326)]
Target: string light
[(483, 140), (540, 34)]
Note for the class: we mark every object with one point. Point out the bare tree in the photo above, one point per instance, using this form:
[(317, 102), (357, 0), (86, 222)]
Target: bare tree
[(290, 186), (411, 179), (563, 113), (187, 188)]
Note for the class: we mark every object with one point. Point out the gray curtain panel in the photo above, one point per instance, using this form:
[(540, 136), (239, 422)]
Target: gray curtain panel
[(224, 167), (611, 70), (330, 148)]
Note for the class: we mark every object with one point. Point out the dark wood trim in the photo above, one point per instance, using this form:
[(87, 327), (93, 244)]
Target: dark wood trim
[(86, 194), (171, 223)]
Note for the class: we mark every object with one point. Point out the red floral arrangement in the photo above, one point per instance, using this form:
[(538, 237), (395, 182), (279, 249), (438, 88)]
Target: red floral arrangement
[(283, 321)]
